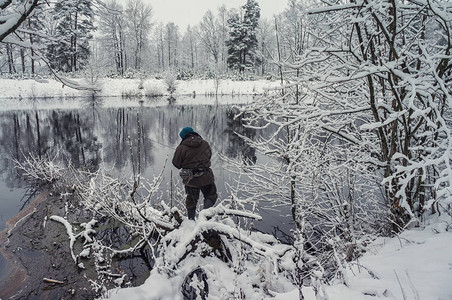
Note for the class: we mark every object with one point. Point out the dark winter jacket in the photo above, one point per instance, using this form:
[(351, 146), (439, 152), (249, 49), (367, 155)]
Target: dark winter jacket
[(194, 153)]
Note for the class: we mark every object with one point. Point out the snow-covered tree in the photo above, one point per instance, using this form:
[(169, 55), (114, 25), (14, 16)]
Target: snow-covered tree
[(171, 44), (13, 14), (242, 43), (138, 17), (112, 27), (224, 35), (363, 132), (35, 23), (210, 34), (75, 19), (267, 44), (294, 32), (157, 42), (190, 45), (396, 61), (20, 47)]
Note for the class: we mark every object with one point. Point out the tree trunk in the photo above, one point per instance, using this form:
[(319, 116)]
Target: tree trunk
[(162, 50), (122, 58), (74, 45), (9, 53), (32, 62), (38, 134), (22, 59), (263, 59)]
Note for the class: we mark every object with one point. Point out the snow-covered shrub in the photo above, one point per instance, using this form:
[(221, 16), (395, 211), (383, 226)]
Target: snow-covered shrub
[(128, 94), (152, 91), (130, 74), (362, 127), (40, 171), (170, 81), (246, 265), (184, 74)]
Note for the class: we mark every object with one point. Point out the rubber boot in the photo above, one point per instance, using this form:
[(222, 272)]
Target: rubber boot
[(208, 203), (191, 213)]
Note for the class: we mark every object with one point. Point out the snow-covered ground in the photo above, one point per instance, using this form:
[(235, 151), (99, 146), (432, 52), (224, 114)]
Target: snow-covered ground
[(51, 94), (30, 88), (417, 264)]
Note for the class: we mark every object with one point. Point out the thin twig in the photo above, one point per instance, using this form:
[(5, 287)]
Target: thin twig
[(401, 287)]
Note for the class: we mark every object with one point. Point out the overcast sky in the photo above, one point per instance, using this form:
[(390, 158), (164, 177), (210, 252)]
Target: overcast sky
[(190, 12)]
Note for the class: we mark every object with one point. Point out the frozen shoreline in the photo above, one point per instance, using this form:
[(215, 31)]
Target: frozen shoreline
[(50, 88)]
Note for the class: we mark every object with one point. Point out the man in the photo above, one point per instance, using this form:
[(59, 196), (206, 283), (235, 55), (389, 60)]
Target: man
[(193, 157)]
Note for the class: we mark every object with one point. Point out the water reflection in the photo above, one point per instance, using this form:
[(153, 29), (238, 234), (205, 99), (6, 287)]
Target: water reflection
[(234, 130), (93, 135)]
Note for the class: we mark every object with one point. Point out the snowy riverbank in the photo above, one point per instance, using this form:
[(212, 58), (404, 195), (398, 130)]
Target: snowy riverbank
[(417, 265), (30, 88)]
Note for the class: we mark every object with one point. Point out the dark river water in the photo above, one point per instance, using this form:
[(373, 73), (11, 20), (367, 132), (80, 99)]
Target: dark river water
[(91, 135)]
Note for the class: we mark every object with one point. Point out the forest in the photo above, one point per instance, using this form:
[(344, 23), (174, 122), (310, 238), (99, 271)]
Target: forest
[(361, 130), (122, 39)]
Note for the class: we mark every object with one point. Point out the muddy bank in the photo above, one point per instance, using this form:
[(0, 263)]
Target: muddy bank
[(37, 250), (40, 262)]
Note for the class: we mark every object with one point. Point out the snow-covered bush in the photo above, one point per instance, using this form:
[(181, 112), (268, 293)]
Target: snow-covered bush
[(184, 74), (40, 171), (152, 91), (362, 133), (170, 81), (127, 94)]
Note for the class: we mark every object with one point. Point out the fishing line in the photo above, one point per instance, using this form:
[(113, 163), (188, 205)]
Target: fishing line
[(162, 144)]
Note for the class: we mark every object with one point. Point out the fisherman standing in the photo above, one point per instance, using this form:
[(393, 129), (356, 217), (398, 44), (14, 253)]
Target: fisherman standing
[(193, 156)]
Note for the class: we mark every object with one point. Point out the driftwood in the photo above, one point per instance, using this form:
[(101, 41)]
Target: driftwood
[(52, 281)]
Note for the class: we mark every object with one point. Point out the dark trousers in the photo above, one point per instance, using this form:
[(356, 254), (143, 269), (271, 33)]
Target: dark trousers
[(210, 196)]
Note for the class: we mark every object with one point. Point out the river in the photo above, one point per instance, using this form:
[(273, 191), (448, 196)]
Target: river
[(93, 134)]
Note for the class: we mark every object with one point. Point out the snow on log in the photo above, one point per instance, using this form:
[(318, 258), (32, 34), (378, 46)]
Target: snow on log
[(70, 233), (88, 230)]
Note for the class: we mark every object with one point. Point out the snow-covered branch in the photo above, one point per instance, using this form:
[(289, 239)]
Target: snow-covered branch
[(14, 13), (40, 169)]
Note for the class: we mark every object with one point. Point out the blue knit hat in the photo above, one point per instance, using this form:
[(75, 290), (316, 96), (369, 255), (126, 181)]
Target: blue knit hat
[(184, 132)]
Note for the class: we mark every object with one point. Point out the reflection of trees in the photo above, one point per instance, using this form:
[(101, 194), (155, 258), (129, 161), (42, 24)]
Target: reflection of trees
[(21, 133), (209, 121), (125, 126), (75, 134), (39, 133), (236, 144)]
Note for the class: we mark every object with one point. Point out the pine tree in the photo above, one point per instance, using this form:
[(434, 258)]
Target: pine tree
[(75, 24), (242, 43)]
